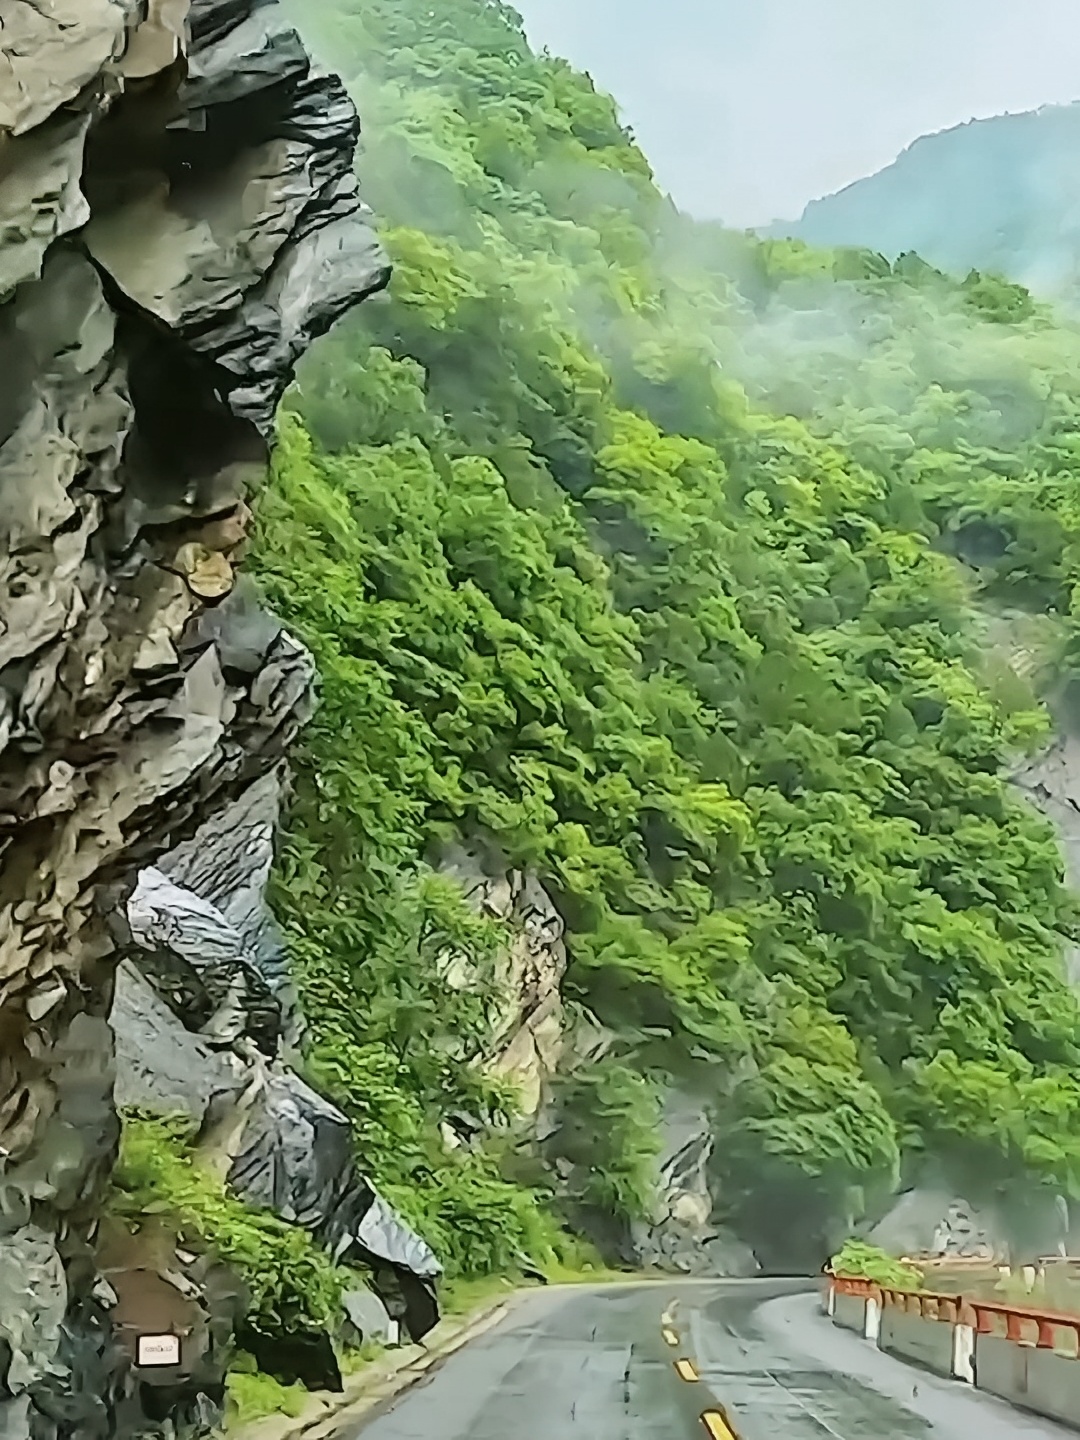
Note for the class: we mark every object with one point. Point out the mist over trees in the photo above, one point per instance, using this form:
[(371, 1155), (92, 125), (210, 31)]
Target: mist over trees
[(995, 194), (663, 558)]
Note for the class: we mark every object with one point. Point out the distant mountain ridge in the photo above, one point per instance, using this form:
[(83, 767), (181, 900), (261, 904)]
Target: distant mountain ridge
[(1000, 195)]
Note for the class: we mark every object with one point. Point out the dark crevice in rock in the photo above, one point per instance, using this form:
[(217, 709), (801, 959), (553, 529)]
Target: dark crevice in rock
[(187, 454), (125, 150)]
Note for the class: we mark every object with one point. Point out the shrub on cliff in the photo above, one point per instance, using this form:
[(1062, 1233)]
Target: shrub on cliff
[(290, 1284), (869, 1262)]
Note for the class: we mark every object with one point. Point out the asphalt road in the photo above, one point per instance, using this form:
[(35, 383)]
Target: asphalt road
[(604, 1364)]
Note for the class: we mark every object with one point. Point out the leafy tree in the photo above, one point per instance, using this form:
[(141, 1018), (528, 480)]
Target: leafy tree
[(663, 558)]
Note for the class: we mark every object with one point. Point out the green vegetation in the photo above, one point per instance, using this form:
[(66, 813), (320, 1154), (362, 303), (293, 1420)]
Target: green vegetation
[(653, 554), (253, 1394), (858, 1258), (290, 1284)]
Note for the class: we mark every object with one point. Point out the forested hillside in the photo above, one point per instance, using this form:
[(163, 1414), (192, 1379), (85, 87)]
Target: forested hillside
[(1000, 194), (657, 556)]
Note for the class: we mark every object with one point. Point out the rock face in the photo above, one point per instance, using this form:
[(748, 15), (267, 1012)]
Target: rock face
[(681, 1236), (179, 218), (199, 1022), (931, 1220), (527, 1028), (1051, 782)]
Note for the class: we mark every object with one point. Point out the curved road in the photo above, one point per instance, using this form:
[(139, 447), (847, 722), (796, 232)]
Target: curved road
[(596, 1364)]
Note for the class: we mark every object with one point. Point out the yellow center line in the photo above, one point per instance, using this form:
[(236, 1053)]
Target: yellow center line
[(717, 1426), (670, 1338), (686, 1371)]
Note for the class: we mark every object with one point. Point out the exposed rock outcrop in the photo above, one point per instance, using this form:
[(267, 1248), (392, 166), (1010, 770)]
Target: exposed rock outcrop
[(179, 217), (527, 1024), (1051, 782), (931, 1220), (197, 1027), (681, 1234)]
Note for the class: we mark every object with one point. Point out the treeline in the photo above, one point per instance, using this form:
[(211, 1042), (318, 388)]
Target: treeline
[(652, 554)]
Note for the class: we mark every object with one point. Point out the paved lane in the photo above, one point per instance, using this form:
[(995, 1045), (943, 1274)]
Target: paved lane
[(597, 1364)]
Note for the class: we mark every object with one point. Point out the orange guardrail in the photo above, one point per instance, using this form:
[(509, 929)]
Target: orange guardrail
[(856, 1285), (1024, 1324), (1028, 1325), (928, 1304)]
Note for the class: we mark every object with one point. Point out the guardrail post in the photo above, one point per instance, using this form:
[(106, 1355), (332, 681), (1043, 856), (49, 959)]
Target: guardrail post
[(964, 1353)]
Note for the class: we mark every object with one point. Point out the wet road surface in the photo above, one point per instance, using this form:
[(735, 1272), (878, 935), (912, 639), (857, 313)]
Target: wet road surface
[(684, 1361)]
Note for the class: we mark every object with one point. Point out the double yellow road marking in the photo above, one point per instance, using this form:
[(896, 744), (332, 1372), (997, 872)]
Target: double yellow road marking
[(717, 1426), (714, 1421)]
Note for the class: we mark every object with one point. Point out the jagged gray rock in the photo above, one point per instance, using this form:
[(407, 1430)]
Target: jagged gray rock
[(295, 1156), (1051, 782), (192, 996), (681, 1235), (367, 1318), (178, 216), (931, 1220)]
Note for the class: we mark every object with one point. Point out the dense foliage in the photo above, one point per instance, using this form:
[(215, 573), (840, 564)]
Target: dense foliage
[(871, 1263), (289, 1284), (652, 553)]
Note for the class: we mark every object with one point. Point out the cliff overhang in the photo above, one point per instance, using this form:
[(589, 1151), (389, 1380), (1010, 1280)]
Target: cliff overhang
[(178, 219)]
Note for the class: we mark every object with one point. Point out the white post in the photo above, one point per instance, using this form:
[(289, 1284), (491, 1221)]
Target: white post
[(964, 1353), (832, 1300), (873, 1319)]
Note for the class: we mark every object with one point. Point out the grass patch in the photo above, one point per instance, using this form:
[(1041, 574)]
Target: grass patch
[(253, 1395), (358, 1357)]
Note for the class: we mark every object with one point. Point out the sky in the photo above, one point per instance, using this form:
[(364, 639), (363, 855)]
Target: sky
[(750, 108)]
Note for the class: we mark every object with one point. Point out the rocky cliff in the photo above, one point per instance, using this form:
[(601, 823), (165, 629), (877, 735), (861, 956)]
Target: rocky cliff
[(527, 1019), (682, 1234), (179, 218)]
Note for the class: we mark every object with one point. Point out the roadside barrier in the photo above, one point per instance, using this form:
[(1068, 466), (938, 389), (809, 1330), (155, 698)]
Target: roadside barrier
[(1022, 1353)]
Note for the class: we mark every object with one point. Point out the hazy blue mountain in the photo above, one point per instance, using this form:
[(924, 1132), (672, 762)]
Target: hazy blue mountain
[(1000, 194)]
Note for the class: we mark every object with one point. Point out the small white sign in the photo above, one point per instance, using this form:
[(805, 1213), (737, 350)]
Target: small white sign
[(158, 1350)]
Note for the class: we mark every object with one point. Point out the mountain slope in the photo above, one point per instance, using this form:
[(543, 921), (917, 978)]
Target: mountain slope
[(643, 557), (999, 195)]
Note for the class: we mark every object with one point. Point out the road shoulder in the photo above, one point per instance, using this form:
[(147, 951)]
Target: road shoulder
[(946, 1407), (383, 1380)]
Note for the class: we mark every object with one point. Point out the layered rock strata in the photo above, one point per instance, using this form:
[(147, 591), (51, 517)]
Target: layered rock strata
[(178, 217)]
